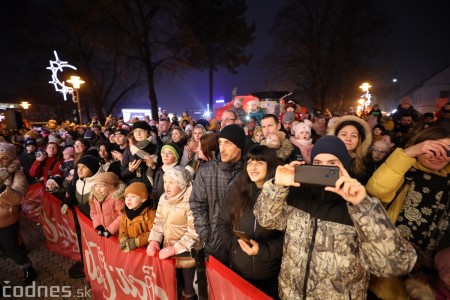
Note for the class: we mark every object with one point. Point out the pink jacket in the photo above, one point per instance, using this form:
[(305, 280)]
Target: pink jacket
[(109, 212)]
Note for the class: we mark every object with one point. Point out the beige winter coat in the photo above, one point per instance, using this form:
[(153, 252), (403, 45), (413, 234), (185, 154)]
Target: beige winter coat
[(11, 195), (175, 223)]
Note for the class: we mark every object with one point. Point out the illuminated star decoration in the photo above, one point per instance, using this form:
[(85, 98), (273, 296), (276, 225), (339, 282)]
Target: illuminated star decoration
[(55, 66)]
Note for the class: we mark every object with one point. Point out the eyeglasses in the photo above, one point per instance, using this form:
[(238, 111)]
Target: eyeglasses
[(227, 120), (166, 154)]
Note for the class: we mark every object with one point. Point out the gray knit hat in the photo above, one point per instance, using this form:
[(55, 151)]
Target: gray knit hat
[(181, 175)]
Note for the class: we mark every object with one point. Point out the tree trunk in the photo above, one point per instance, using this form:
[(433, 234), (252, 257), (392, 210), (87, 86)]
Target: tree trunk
[(211, 87), (153, 99)]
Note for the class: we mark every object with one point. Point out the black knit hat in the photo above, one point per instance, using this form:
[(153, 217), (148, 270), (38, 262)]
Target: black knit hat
[(379, 126), (91, 162), (332, 145), (235, 134), (141, 125), (30, 141)]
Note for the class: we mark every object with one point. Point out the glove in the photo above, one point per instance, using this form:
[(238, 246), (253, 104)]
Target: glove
[(3, 174), (106, 234), (64, 209), (128, 244), (133, 244), (100, 230), (123, 244), (152, 248), (167, 252)]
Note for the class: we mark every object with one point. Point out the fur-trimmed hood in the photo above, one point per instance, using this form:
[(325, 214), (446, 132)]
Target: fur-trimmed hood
[(285, 151), (362, 149), (118, 191)]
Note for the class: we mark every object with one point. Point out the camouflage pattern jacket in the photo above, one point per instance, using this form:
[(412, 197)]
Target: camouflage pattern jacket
[(330, 246)]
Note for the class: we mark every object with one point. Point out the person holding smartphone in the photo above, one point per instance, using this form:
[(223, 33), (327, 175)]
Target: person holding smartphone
[(335, 236), (255, 252), (47, 163)]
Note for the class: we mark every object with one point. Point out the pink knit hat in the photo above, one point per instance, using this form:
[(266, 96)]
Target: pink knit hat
[(69, 151)]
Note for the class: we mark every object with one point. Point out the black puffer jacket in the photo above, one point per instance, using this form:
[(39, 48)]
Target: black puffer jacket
[(267, 263), (208, 193)]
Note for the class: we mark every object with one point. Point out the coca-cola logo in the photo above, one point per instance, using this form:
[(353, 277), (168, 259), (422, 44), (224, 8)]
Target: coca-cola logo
[(58, 229), (115, 280)]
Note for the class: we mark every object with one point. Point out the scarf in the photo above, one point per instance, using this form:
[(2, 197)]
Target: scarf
[(177, 198), (423, 217), (167, 167), (133, 213)]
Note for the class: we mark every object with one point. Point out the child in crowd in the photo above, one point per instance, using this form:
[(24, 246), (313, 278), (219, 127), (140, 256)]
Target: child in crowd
[(257, 135), (27, 158), (377, 133), (67, 165), (380, 151), (170, 156), (275, 140), (54, 186), (255, 110), (137, 221), (302, 140), (107, 204), (174, 226)]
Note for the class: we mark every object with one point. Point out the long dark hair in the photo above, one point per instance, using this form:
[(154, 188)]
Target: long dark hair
[(244, 191)]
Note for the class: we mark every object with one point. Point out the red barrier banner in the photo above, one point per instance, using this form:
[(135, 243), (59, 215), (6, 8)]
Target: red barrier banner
[(114, 274), (225, 284), (32, 202), (59, 229)]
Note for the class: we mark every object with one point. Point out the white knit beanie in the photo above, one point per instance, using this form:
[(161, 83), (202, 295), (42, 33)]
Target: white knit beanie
[(181, 176)]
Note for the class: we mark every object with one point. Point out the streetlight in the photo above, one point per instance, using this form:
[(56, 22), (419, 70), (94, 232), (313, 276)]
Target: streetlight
[(365, 88), (76, 83), (25, 105)]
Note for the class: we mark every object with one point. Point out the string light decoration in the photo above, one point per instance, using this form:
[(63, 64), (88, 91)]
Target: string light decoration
[(58, 66)]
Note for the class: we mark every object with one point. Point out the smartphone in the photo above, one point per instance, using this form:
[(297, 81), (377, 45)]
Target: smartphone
[(448, 153), (320, 175), (243, 236)]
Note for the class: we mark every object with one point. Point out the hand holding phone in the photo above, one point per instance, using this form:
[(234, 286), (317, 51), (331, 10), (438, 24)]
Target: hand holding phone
[(241, 235), (316, 174)]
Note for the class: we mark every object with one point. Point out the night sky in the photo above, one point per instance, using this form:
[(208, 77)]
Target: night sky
[(419, 46)]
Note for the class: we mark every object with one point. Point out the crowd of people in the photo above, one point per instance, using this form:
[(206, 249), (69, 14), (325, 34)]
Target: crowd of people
[(228, 186)]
